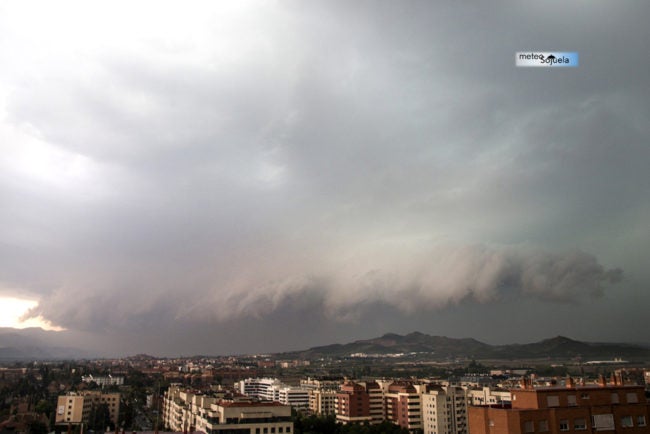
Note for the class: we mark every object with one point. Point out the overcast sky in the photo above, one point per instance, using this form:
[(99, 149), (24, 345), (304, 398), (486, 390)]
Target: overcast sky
[(227, 177)]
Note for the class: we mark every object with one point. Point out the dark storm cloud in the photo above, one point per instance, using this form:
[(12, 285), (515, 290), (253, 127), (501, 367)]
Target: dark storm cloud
[(224, 166)]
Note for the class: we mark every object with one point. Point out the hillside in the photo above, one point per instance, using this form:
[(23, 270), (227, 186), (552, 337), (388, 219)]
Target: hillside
[(441, 347)]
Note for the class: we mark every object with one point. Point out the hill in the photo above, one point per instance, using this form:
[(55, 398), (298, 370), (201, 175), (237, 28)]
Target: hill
[(442, 348)]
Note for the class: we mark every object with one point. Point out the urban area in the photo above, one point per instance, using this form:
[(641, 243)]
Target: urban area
[(357, 393)]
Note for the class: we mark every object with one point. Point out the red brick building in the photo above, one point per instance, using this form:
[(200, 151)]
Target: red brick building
[(352, 403), (606, 409), (403, 405)]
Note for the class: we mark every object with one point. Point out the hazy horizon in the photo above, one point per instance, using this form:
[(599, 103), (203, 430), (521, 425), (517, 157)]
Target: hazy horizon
[(60, 341)]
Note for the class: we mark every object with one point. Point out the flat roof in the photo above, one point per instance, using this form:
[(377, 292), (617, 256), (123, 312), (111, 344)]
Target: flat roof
[(580, 387), (250, 404)]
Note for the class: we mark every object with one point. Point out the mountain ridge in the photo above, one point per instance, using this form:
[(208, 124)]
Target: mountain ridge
[(443, 347)]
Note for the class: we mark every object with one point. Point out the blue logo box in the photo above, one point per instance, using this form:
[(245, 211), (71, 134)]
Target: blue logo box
[(547, 59)]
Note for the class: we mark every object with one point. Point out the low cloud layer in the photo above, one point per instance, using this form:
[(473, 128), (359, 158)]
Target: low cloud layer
[(230, 163)]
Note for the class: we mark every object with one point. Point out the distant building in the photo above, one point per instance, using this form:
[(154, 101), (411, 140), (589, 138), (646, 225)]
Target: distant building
[(272, 389), (489, 396), (322, 394), (327, 383), (103, 381), (295, 397), (260, 388)]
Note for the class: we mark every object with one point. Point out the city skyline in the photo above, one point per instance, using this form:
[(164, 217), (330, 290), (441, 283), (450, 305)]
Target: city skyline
[(247, 177)]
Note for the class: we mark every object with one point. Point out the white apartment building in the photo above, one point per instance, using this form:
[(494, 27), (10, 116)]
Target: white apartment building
[(103, 381), (266, 389), (246, 418), (328, 383), (444, 410), (488, 396), (272, 389), (184, 410), (322, 394), (295, 397)]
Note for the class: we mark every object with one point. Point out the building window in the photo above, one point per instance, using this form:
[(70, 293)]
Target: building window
[(288, 429), (632, 398), (571, 399), (553, 401), (603, 422), (529, 426), (564, 425), (542, 426), (579, 424), (615, 398), (626, 422), (640, 420), (584, 396)]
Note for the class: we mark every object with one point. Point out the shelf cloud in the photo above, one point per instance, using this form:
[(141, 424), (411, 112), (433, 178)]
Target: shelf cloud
[(240, 166)]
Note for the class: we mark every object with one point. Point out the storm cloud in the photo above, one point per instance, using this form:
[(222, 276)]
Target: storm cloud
[(214, 164)]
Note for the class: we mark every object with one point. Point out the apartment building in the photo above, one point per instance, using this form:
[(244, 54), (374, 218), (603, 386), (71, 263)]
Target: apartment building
[(607, 408), (488, 396), (272, 389), (322, 394), (246, 418), (266, 389), (322, 402), (434, 409), (444, 410), (222, 413), (72, 409), (76, 408), (402, 401), (376, 401), (103, 380), (181, 407), (295, 397), (352, 403), (323, 383)]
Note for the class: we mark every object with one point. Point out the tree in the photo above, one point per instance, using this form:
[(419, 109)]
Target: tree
[(43, 406), (37, 427), (100, 418)]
